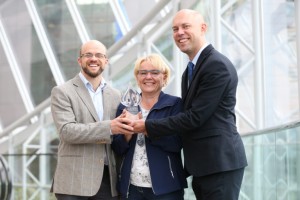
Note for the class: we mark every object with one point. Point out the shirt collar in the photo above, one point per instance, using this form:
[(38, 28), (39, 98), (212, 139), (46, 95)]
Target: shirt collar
[(88, 85), (195, 59)]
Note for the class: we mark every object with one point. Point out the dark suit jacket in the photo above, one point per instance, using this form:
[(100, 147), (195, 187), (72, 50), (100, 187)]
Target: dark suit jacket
[(211, 143)]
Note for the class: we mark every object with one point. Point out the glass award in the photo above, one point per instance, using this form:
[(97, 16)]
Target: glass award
[(131, 99)]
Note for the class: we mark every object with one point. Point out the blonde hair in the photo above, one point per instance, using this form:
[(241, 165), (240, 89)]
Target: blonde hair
[(156, 61)]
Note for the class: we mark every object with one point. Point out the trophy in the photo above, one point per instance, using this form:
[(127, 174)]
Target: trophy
[(131, 99)]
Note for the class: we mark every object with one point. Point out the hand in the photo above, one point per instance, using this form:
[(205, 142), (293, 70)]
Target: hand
[(137, 122), (121, 125), (128, 115), (127, 137), (131, 116), (131, 123), (139, 126)]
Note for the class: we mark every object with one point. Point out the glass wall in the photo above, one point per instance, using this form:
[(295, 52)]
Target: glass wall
[(274, 165), (259, 37)]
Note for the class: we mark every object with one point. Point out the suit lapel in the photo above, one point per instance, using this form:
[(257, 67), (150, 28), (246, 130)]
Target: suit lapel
[(184, 84), (85, 96), (202, 58), (106, 103), (187, 91)]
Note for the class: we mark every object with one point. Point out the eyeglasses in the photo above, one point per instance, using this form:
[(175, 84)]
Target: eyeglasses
[(90, 55), (153, 73)]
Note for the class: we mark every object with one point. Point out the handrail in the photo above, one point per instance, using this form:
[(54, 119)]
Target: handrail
[(273, 129), (5, 180), (23, 120)]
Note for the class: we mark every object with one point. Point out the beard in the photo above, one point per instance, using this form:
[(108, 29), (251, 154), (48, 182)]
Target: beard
[(90, 73)]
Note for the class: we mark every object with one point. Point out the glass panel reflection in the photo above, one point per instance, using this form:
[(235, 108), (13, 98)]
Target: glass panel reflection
[(12, 103), (34, 162), (165, 44), (62, 34), (100, 21), (274, 166), (28, 52)]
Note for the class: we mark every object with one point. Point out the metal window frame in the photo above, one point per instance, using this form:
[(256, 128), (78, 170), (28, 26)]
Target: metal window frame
[(45, 43), (15, 69)]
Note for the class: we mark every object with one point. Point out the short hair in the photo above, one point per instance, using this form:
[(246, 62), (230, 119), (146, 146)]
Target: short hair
[(157, 62), (95, 42)]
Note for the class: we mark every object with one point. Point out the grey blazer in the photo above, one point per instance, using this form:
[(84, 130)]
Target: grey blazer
[(83, 138)]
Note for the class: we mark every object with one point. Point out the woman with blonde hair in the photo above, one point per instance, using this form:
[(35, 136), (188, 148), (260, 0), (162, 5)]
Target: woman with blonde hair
[(151, 169)]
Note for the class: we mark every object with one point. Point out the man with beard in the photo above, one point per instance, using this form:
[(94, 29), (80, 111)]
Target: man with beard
[(83, 111)]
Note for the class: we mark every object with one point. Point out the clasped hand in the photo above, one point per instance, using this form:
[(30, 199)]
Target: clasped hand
[(128, 124)]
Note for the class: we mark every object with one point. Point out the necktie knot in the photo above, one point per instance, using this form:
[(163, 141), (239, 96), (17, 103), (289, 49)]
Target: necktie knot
[(190, 71)]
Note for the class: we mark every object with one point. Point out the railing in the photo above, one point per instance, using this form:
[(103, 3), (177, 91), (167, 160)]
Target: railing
[(274, 164), (26, 118), (5, 180), (29, 147), (273, 157)]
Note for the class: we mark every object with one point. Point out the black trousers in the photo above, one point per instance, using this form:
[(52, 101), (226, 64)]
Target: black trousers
[(219, 186), (104, 192)]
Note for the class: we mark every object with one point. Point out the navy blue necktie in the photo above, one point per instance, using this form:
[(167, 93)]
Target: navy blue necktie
[(190, 71)]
